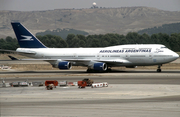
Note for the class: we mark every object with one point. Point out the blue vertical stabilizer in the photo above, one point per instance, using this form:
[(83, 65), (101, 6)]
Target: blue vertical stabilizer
[(25, 38)]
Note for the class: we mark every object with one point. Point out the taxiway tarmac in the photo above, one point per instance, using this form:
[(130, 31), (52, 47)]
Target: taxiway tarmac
[(114, 77), (130, 93)]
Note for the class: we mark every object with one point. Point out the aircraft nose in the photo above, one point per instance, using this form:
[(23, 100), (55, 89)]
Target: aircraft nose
[(175, 55)]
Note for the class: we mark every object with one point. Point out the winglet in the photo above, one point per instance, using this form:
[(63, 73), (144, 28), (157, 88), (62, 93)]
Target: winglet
[(25, 38)]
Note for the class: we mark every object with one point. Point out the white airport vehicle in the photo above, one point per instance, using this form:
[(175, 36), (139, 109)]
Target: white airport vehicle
[(37, 83), (63, 83), (96, 85), (95, 59), (4, 67), (105, 84)]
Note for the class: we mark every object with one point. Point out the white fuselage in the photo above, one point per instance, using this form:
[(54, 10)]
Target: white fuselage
[(121, 55)]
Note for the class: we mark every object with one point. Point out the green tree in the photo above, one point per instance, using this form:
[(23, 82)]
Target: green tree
[(124, 41), (143, 39), (9, 39), (132, 37), (96, 43), (164, 39), (155, 39), (74, 42), (69, 38), (53, 41)]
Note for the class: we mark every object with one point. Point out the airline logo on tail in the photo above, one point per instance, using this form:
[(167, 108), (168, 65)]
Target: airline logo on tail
[(26, 38)]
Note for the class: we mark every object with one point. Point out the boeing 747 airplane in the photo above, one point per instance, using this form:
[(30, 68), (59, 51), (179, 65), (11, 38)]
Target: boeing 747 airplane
[(95, 59)]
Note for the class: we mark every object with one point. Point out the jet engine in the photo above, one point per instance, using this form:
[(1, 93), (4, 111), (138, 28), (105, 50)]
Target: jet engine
[(64, 65), (99, 66)]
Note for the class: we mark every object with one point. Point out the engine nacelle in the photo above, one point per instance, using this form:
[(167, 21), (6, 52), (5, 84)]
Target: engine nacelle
[(64, 65), (100, 66), (131, 66)]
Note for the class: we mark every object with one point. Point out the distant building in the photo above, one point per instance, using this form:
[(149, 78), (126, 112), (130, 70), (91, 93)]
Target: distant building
[(94, 6)]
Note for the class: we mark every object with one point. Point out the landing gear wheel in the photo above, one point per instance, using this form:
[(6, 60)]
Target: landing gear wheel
[(108, 69), (158, 70), (90, 70)]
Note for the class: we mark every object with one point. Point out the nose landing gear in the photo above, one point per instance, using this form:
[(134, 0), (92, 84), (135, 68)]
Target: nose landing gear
[(159, 68)]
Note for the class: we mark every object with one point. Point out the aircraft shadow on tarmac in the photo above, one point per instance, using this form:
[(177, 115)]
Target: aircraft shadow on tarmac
[(84, 72)]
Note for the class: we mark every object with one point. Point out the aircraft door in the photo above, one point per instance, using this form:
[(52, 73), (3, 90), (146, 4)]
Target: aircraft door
[(126, 56), (75, 56), (150, 55), (98, 56)]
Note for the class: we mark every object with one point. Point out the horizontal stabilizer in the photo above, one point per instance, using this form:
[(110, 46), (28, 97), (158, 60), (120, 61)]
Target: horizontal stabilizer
[(12, 58), (13, 51)]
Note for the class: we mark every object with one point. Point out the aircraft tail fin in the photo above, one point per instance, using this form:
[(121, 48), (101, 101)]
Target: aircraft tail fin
[(25, 38)]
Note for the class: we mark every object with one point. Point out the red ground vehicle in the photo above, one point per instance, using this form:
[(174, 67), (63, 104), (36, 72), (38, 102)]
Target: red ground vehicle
[(82, 84), (50, 84), (88, 81)]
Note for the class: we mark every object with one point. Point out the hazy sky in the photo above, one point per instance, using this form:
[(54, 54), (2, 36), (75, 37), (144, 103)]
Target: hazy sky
[(33, 5)]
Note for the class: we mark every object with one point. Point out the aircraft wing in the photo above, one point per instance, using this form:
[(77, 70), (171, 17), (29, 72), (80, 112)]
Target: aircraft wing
[(113, 61)]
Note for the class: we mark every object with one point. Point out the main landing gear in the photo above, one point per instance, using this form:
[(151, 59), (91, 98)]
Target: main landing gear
[(159, 68), (90, 70), (108, 69), (96, 71)]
